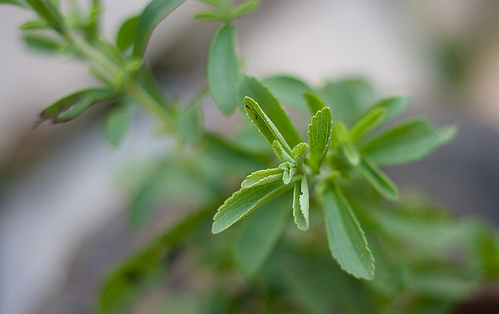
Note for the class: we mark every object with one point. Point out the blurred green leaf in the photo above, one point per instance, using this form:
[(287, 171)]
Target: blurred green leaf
[(313, 102), (378, 179), (242, 202), (260, 233), (43, 43), (251, 87), (223, 70), (75, 104), (34, 25), (319, 135), (117, 123), (347, 98), (289, 90), (244, 9), (126, 33), (348, 149), (49, 12), (210, 16), (152, 15), (127, 283), (190, 123), (346, 238), (407, 142), (393, 107), (301, 203), (366, 123)]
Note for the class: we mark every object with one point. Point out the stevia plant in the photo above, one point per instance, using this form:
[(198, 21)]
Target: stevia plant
[(389, 256)]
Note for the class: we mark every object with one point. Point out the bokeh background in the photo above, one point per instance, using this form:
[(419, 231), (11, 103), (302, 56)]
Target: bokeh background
[(62, 220)]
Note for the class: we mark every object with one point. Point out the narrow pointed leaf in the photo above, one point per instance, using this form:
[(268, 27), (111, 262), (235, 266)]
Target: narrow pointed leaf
[(378, 179), (366, 123), (280, 152), (117, 123), (244, 9), (264, 125), (314, 103), (75, 104), (346, 238), (251, 87), (289, 90), (223, 70), (301, 203), (244, 201), (393, 107), (48, 11), (319, 135), (407, 142), (152, 15), (257, 176), (260, 233)]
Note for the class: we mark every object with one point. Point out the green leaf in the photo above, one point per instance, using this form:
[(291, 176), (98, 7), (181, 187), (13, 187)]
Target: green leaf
[(347, 98), (190, 123), (281, 153), (407, 142), (289, 90), (223, 70), (128, 282), (34, 25), (126, 33), (257, 176), (299, 154), (289, 172), (210, 16), (244, 9), (242, 202), (117, 123), (347, 147), (393, 107), (43, 43), (49, 12), (14, 2), (366, 123), (319, 136), (378, 179), (264, 125), (251, 87), (260, 233), (346, 238), (75, 104), (152, 15), (301, 203), (314, 103)]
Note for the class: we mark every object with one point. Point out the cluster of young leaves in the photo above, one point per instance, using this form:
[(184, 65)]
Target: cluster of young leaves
[(336, 172)]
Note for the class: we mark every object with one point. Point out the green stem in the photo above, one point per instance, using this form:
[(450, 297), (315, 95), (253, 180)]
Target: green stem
[(131, 88), (137, 92), (96, 56)]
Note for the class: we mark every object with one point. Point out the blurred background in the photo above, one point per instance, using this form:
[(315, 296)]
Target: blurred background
[(62, 211)]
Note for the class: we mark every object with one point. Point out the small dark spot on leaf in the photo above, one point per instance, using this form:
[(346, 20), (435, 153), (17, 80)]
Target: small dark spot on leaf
[(256, 116), (246, 106)]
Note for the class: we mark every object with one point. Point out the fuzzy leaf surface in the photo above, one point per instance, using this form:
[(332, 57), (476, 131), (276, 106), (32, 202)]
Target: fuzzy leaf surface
[(301, 203), (251, 87), (244, 201), (346, 238), (117, 123), (319, 135)]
